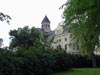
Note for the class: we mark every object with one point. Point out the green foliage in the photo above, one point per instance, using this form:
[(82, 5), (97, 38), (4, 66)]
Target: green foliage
[(33, 61), (25, 37), (4, 17), (82, 19), (80, 61), (61, 60), (38, 61)]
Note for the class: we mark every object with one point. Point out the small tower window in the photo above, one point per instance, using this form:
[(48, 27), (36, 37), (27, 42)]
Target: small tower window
[(46, 26)]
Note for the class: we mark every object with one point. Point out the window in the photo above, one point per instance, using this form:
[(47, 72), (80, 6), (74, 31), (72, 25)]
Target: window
[(52, 47), (59, 47), (59, 40), (65, 39), (65, 46), (73, 47), (46, 26)]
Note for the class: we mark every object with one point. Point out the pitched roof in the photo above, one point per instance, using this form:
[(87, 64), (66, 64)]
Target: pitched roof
[(45, 20)]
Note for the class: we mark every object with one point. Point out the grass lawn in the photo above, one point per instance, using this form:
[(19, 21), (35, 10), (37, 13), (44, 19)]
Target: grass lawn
[(81, 71)]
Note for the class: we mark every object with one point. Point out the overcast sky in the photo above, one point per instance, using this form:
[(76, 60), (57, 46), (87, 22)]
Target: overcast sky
[(30, 13)]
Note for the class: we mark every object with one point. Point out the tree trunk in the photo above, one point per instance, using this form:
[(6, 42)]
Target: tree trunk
[(93, 60)]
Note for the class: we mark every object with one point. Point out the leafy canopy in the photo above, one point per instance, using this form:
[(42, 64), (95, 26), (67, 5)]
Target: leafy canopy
[(26, 37), (82, 18)]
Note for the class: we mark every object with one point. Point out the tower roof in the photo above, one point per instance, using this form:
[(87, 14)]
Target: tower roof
[(45, 20)]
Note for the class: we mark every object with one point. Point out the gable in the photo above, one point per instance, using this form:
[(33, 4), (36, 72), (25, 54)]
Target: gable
[(59, 30)]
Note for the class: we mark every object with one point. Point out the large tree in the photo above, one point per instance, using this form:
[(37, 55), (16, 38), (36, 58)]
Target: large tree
[(82, 19), (26, 37)]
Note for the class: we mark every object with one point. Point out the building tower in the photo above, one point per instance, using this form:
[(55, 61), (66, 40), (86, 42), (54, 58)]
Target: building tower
[(45, 24)]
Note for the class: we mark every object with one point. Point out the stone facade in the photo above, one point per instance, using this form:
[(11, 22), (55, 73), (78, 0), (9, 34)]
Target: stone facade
[(61, 38)]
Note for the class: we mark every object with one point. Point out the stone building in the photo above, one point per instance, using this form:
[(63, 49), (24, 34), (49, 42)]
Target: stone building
[(61, 39)]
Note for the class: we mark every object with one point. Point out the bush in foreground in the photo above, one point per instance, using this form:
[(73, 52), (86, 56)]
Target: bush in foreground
[(33, 61)]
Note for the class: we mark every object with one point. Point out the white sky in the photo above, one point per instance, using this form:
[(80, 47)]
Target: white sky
[(29, 12)]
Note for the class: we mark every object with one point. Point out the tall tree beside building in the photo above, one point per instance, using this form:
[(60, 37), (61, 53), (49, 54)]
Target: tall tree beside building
[(82, 18), (26, 37)]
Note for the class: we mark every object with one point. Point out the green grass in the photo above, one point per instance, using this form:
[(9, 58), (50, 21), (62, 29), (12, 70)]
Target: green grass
[(81, 71)]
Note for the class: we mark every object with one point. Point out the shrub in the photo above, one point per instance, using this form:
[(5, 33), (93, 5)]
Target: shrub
[(35, 61), (83, 61), (61, 60)]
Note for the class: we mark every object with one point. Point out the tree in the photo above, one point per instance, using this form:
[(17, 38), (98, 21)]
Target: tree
[(47, 41), (26, 37), (82, 19), (5, 17), (1, 42)]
